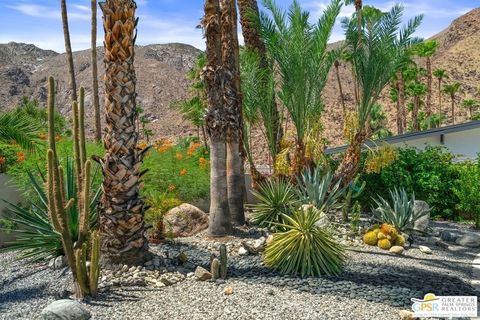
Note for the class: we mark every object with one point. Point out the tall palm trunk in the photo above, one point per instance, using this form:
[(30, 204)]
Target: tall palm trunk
[(121, 208), (232, 98), (68, 50), (452, 96), (416, 107), (219, 216), (96, 100), (401, 102), (340, 89), (351, 161), (358, 10), (440, 96), (253, 41), (428, 107)]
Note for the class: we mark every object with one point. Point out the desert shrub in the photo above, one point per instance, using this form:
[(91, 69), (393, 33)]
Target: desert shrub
[(304, 248), (160, 204), (276, 198), (430, 174), (467, 189), (399, 211)]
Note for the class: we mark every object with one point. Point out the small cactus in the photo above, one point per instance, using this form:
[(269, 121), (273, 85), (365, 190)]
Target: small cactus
[(400, 240), (223, 261), (384, 244), (370, 238), (215, 269)]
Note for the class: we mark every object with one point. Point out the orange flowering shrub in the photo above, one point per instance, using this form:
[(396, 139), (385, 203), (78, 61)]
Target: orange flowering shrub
[(142, 145), (163, 145), (202, 162), (193, 147), (183, 172)]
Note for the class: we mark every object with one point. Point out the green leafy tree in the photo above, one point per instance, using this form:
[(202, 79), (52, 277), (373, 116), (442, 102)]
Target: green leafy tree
[(467, 190), (416, 90), (299, 50)]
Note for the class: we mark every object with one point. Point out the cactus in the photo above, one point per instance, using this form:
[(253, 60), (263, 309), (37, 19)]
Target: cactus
[(223, 261), (370, 238), (400, 240), (215, 269), (85, 278), (354, 191), (384, 244)]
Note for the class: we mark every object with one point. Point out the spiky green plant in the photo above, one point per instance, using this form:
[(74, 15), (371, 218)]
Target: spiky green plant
[(304, 248), (399, 211), (36, 238), (20, 129), (276, 198), (317, 187)]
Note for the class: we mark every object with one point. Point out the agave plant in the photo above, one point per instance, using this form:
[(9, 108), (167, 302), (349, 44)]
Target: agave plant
[(317, 187), (276, 199), (304, 248), (36, 239), (400, 211)]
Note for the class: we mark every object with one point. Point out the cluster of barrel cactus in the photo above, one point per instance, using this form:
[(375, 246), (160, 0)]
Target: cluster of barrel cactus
[(85, 274), (384, 236)]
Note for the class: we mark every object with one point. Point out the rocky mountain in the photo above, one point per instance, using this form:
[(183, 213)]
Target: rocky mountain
[(161, 71)]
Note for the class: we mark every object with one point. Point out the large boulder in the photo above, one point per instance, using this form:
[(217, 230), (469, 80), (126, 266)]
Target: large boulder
[(185, 221), (471, 240), (422, 223), (65, 310)]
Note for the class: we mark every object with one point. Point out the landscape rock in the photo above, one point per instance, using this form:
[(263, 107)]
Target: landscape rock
[(228, 291), (184, 221), (425, 249), (202, 274), (57, 262), (406, 315), (65, 310), (448, 236), (397, 249), (471, 240), (259, 244), (422, 223), (242, 251), (269, 239)]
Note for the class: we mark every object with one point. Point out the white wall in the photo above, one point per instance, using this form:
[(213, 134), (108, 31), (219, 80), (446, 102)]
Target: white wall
[(464, 144)]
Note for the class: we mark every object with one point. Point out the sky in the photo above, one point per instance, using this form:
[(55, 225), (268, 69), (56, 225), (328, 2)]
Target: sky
[(163, 21)]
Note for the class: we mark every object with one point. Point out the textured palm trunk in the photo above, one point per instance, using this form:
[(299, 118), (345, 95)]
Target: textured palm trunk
[(232, 100), (440, 96), (358, 9), (340, 89), (122, 210), (355, 86), (215, 119), (428, 107), (401, 102), (351, 161), (453, 108), (416, 107), (96, 100), (253, 41), (68, 50)]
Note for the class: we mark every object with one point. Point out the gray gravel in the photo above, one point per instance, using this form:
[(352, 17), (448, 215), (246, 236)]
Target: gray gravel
[(374, 285)]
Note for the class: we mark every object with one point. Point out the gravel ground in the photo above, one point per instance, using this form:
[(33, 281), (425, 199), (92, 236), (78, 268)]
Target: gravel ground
[(374, 285)]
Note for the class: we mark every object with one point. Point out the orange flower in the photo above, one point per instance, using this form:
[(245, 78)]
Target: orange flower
[(21, 156), (202, 162), (141, 145), (179, 156), (183, 172), (2, 160), (193, 147), (163, 146), (172, 188), (58, 138), (42, 136)]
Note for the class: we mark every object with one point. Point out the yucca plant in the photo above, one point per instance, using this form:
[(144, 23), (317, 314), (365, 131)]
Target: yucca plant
[(276, 198), (398, 212), (317, 187), (36, 238), (304, 248)]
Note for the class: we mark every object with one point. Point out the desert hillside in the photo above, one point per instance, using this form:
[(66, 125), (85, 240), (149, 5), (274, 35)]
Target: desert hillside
[(161, 71)]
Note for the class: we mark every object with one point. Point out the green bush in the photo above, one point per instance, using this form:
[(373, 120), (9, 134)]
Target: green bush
[(304, 248), (430, 174), (467, 189), (8, 156)]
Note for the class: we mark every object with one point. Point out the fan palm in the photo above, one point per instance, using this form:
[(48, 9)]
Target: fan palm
[(375, 60), (452, 89), (426, 50), (440, 74), (470, 104), (300, 53)]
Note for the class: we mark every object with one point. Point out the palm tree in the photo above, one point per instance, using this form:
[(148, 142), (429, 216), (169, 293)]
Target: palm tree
[(401, 102), (122, 209), (452, 90), (249, 19), (470, 104), (340, 90), (215, 119), (426, 50), (299, 51), (416, 90), (232, 98), (96, 100), (20, 129), (376, 60), (68, 49), (440, 74), (358, 12)]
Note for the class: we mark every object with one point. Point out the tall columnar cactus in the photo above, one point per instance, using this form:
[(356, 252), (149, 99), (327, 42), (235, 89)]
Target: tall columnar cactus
[(223, 261), (85, 277)]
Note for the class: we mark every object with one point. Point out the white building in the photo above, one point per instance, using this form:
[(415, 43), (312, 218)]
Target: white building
[(462, 140)]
